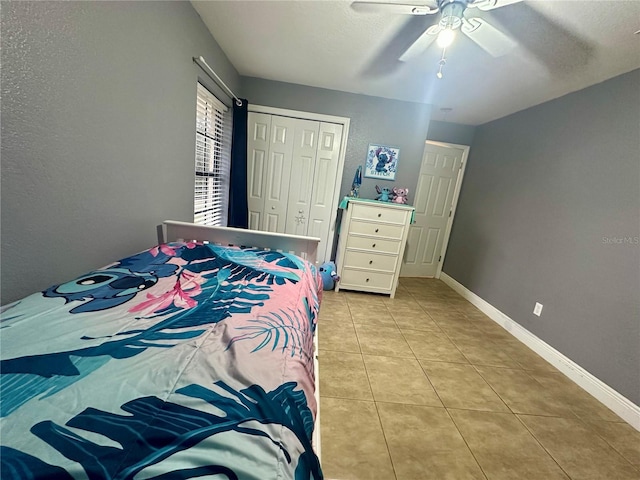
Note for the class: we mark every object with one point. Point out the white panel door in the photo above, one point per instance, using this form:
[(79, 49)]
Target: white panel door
[(305, 146), (325, 181), (259, 127), (278, 173), (441, 166)]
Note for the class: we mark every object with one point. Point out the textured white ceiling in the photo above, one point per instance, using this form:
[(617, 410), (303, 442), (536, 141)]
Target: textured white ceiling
[(563, 46)]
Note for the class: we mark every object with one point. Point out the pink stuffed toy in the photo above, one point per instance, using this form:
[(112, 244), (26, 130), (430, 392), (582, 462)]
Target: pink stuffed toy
[(400, 195)]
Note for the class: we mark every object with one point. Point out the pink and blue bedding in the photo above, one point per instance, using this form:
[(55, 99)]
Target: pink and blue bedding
[(184, 361)]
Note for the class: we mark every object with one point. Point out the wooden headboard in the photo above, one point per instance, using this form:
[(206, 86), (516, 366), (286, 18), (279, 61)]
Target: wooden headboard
[(305, 247)]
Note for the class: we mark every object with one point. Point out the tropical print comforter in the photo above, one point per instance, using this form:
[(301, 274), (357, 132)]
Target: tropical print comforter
[(183, 361)]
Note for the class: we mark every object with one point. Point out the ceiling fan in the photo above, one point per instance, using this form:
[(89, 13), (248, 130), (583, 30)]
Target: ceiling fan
[(453, 17)]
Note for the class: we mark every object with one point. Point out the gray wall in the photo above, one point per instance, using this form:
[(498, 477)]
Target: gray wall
[(373, 120), (546, 194), (98, 118), (451, 132)]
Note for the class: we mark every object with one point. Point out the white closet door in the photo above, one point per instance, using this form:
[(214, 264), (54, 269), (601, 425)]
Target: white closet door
[(325, 181), (259, 128), (278, 173), (302, 171)]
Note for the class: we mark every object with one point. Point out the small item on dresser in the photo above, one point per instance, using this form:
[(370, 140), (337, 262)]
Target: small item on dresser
[(357, 181), (329, 275), (400, 195), (384, 194)]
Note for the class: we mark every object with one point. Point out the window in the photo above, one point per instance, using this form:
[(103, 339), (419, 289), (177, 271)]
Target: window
[(213, 159)]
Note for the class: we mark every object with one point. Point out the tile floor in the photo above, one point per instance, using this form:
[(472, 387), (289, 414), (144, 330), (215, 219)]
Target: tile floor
[(425, 386)]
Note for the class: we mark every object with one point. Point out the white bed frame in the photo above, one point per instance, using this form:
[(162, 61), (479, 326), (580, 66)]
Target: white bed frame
[(305, 247)]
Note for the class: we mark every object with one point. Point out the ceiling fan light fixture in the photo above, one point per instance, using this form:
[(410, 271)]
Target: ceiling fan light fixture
[(446, 37)]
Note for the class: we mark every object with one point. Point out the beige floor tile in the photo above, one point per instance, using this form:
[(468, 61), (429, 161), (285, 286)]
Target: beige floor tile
[(336, 336), (435, 324), (621, 436), (579, 450), (425, 444), (504, 448), (481, 351), (456, 302), (343, 375), (464, 332), (522, 393), (387, 342), (470, 310), (375, 316), (494, 332), (353, 445), (447, 317), (579, 401), (414, 320), (399, 380), (433, 346), (406, 302), (364, 299), (401, 294), (328, 314), (461, 386), (525, 357), (437, 306), (333, 297)]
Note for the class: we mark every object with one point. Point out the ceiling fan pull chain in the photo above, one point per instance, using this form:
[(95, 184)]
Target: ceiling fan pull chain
[(441, 63)]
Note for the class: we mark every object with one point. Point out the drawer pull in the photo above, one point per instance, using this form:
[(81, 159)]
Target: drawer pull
[(367, 280), (377, 230), (370, 262), (379, 215), (373, 246)]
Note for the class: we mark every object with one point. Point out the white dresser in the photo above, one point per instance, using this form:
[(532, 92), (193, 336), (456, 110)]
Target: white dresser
[(371, 244)]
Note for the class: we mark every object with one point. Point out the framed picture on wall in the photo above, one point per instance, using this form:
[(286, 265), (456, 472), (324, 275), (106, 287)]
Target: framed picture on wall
[(382, 162)]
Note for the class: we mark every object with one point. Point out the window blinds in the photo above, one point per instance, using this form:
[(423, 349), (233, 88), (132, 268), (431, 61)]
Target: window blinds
[(213, 159)]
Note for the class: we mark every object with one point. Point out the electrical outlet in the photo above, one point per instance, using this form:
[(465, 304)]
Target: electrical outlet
[(537, 310)]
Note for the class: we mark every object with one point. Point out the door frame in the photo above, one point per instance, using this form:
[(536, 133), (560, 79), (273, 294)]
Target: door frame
[(456, 196), (319, 117)]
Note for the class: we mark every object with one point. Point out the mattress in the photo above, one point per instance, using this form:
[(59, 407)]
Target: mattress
[(187, 360)]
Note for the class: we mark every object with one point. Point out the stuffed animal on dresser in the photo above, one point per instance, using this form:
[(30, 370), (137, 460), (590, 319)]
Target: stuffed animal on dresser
[(384, 194), (400, 195)]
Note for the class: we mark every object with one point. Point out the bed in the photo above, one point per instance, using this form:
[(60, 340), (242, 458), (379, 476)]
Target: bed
[(191, 359)]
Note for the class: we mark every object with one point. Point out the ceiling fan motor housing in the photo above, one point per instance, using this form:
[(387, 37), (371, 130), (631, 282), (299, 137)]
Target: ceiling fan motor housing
[(452, 12)]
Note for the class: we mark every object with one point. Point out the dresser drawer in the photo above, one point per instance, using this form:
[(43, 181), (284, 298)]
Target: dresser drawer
[(362, 278), (373, 244), (374, 261), (379, 214), (377, 229)]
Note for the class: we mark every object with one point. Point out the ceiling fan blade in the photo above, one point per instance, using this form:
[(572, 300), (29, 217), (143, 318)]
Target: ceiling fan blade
[(488, 37), (485, 5), (385, 61), (421, 44), (393, 8)]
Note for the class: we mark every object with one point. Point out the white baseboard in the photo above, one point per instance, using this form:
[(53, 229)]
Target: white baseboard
[(616, 402)]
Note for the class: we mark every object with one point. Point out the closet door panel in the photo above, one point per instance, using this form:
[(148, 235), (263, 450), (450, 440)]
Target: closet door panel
[(324, 181), (259, 127), (302, 172), (278, 173)]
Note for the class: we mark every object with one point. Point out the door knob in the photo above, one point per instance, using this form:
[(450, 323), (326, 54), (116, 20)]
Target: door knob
[(273, 207), (299, 211)]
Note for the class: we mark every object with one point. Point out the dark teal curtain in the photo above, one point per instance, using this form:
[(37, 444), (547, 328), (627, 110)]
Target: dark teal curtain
[(238, 208)]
